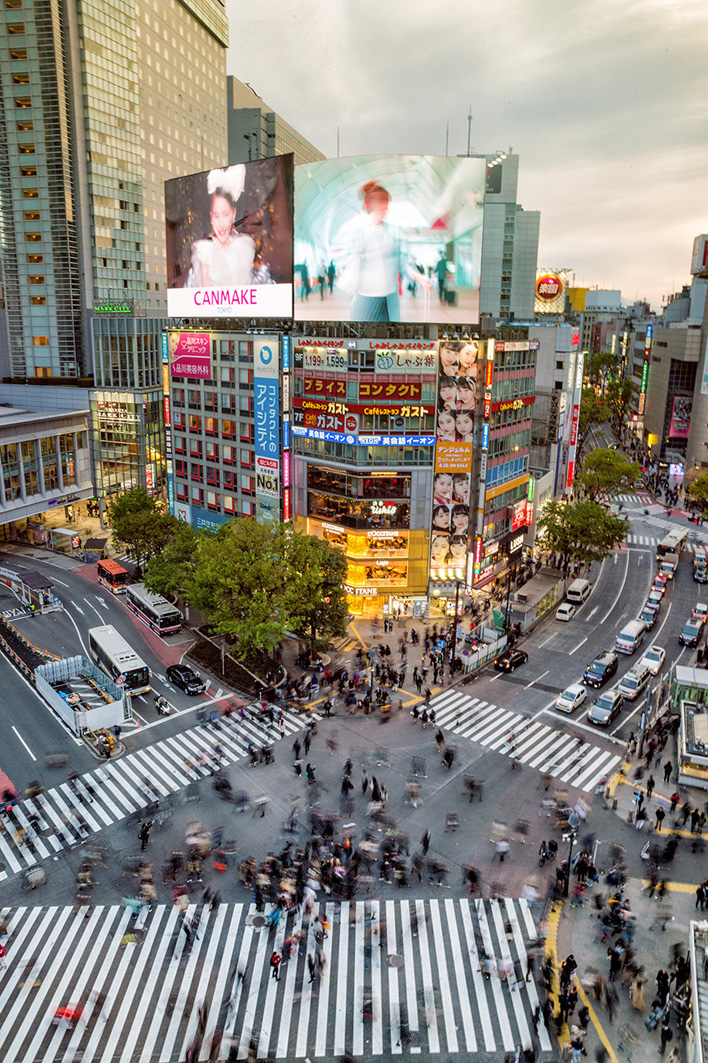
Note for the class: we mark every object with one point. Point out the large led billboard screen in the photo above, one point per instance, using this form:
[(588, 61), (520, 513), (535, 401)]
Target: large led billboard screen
[(389, 238), (230, 241)]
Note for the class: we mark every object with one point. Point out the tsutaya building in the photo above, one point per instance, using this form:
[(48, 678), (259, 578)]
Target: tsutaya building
[(412, 457)]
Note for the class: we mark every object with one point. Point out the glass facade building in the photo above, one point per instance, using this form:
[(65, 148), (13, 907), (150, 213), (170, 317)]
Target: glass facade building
[(99, 105)]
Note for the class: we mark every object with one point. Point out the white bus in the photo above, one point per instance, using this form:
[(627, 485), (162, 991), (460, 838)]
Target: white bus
[(153, 609), (673, 543), (118, 660)]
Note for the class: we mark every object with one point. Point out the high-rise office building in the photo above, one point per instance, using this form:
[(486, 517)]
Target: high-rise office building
[(509, 245), (256, 131), (99, 104)]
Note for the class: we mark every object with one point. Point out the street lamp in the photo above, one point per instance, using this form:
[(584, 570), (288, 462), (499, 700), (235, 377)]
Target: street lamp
[(573, 824)]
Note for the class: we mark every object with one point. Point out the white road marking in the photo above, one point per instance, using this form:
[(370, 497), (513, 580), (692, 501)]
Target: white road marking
[(92, 606), (23, 742), (591, 730), (79, 609), (619, 593), (591, 614), (548, 640), (570, 654), (538, 677)]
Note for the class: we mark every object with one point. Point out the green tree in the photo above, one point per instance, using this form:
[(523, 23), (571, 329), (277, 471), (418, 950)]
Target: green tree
[(139, 524), (698, 490), (315, 598), (604, 473), (255, 581), (619, 397), (594, 411), (580, 531), (168, 572)]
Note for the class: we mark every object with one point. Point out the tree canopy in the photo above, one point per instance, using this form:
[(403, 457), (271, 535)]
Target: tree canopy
[(139, 524), (580, 531), (604, 473), (256, 581), (698, 489)]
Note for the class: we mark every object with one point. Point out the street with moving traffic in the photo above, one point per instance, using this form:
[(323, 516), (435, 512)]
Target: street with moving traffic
[(407, 907)]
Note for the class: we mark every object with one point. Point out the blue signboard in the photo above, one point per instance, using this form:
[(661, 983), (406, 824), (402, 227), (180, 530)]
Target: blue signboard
[(266, 390), (364, 441), (286, 353)]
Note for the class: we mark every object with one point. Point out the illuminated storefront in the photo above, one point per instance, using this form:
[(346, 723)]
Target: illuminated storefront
[(363, 424)]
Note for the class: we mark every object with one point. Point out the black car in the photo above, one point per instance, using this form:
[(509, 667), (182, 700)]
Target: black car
[(185, 677), (510, 660), (601, 669)]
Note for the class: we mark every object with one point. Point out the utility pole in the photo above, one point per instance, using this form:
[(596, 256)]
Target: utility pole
[(469, 131)]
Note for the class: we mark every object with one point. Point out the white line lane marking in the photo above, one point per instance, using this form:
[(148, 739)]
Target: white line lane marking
[(92, 606), (626, 570), (548, 640), (655, 637), (590, 730), (592, 613), (635, 710), (86, 653), (545, 708), (538, 677), (578, 646), (23, 742)]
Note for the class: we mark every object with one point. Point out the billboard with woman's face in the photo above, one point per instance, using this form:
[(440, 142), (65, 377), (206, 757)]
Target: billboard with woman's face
[(389, 238), (230, 241)]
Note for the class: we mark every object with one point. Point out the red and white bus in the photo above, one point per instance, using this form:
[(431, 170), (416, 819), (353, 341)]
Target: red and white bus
[(113, 576), (153, 609)]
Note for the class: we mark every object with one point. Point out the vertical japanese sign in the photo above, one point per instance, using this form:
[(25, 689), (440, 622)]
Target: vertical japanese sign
[(457, 394), (575, 418), (169, 468), (286, 427), (645, 371), (486, 420), (266, 387)]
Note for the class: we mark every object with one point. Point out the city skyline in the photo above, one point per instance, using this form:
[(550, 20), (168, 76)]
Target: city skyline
[(603, 108)]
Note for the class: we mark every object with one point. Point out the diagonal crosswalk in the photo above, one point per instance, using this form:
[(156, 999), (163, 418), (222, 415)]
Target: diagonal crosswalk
[(400, 976), (121, 787), (698, 549), (564, 756)]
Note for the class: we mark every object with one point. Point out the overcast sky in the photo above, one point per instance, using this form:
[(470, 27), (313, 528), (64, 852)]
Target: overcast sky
[(605, 101)]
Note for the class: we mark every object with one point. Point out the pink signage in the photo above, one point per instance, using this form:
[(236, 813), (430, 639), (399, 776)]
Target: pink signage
[(190, 354), (681, 417)]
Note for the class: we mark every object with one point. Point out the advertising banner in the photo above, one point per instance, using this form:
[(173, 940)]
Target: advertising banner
[(551, 286), (267, 427), (229, 241), (457, 396), (389, 238), (331, 406), (681, 417), (169, 465), (190, 354)]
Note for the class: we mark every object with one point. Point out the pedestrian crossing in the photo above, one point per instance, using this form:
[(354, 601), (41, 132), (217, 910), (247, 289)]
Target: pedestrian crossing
[(699, 549), (398, 977), (536, 745), (120, 787)]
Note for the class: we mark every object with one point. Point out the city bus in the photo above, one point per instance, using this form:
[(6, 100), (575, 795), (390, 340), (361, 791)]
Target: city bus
[(153, 609), (673, 543), (118, 660), (113, 576)]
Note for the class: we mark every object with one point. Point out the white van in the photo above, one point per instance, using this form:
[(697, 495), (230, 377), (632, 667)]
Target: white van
[(630, 637), (634, 682), (578, 591)]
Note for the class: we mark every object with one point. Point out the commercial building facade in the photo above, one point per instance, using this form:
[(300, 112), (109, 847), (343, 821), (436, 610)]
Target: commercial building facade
[(256, 131), (98, 106)]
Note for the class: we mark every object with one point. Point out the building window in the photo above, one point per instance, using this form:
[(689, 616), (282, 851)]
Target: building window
[(30, 193), (13, 4), (23, 101), (26, 149), (34, 260), (197, 495), (28, 171), (229, 506), (40, 341), (247, 485), (18, 53), (36, 278), (38, 300), (15, 29), (20, 79), (42, 370), (212, 500), (33, 238), (227, 454)]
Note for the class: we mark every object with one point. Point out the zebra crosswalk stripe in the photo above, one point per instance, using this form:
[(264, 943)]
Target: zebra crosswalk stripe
[(416, 961), (538, 745), (108, 794)]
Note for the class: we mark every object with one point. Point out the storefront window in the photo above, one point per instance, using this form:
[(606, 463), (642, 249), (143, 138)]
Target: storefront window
[(352, 485), (372, 545), (382, 573), (375, 514)]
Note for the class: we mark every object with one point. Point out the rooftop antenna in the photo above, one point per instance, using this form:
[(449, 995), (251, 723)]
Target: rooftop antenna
[(469, 131)]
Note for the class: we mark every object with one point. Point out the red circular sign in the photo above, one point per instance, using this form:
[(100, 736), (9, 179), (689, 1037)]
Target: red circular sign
[(350, 423), (548, 287)]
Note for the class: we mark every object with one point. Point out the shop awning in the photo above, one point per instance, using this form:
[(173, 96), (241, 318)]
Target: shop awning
[(95, 545)]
